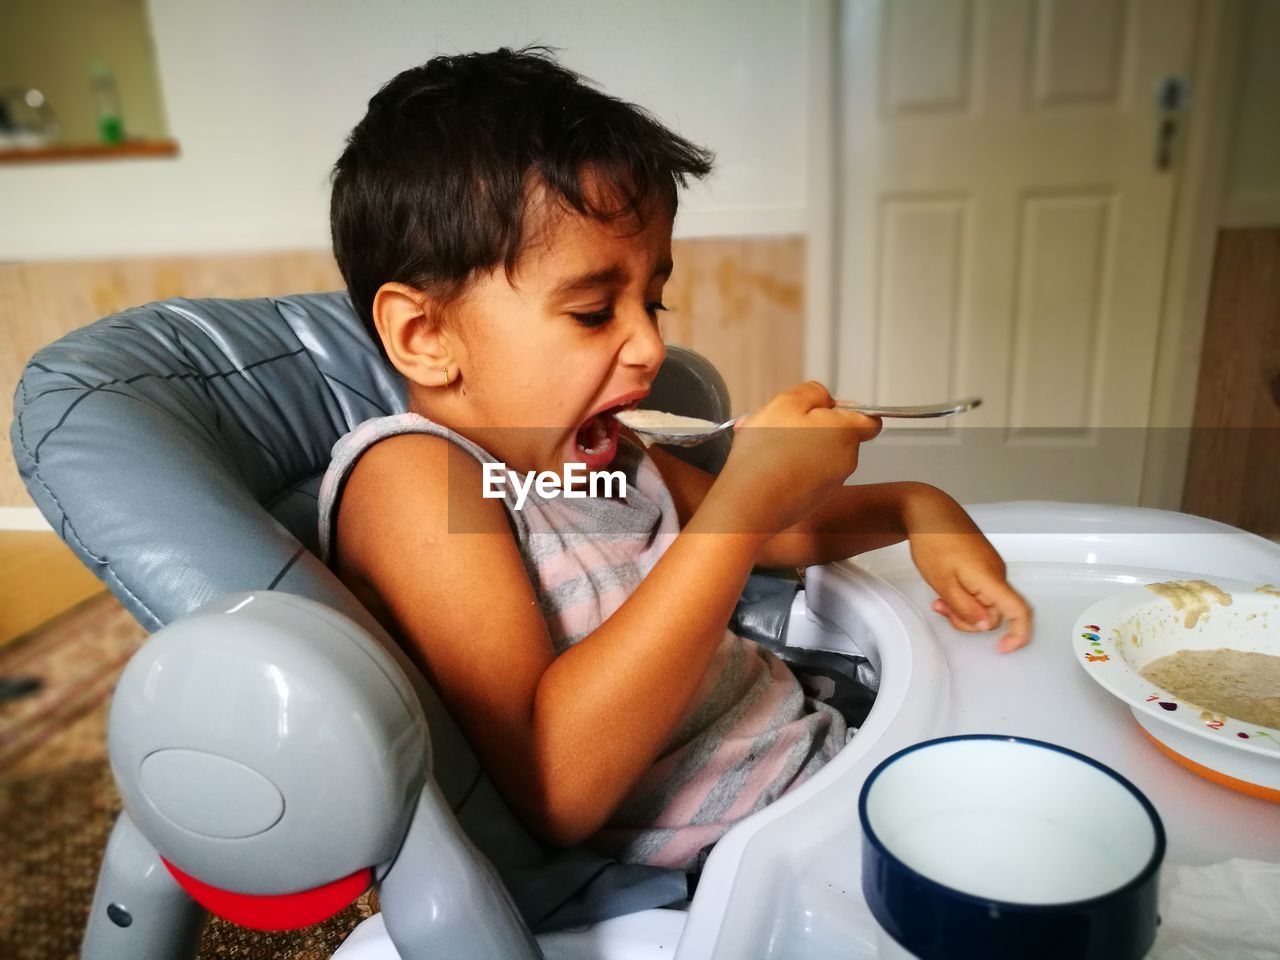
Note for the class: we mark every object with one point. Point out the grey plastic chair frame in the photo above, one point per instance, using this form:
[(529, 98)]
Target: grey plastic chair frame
[(177, 448)]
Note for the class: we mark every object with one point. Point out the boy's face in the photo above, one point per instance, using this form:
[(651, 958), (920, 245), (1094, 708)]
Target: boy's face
[(572, 336)]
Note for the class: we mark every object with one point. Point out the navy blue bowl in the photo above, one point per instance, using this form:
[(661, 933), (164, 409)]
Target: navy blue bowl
[(937, 922)]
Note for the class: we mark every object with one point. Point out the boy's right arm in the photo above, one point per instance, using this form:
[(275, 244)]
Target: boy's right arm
[(565, 738)]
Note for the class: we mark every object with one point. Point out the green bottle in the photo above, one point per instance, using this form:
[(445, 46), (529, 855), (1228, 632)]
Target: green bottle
[(106, 101)]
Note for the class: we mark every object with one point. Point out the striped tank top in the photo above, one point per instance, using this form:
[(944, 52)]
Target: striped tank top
[(749, 734)]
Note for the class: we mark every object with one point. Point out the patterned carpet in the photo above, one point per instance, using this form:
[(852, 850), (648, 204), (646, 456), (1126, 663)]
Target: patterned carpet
[(58, 801)]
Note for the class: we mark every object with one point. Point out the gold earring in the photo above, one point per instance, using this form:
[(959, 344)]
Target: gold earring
[(447, 376)]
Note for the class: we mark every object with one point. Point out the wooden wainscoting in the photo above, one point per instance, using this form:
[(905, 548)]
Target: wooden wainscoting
[(739, 301), (39, 578), (1233, 468), (39, 302)]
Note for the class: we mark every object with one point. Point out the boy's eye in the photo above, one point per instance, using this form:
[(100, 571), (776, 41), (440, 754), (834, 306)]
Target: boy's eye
[(596, 319), (601, 317)]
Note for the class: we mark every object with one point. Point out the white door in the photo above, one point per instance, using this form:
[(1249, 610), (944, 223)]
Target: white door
[(1005, 219)]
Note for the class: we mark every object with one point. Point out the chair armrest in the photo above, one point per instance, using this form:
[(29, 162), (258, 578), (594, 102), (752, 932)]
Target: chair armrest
[(266, 744)]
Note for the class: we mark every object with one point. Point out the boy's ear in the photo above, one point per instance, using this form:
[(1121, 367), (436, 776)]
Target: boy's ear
[(416, 343)]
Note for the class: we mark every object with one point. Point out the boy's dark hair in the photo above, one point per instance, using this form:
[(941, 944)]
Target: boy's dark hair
[(434, 181)]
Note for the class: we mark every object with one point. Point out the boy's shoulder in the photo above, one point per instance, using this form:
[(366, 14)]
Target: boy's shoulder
[(409, 458), (414, 483), (417, 470), (398, 447), (365, 436), (411, 490)]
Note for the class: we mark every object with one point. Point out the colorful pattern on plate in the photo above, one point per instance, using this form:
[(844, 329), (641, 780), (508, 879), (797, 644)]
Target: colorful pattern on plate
[(1095, 641)]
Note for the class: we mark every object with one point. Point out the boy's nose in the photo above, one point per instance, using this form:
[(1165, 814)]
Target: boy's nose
[(644, 346)]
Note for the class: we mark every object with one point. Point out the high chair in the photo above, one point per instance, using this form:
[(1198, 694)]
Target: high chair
[(275, 751)]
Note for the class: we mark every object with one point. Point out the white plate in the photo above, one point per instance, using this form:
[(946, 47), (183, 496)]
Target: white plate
[(1118, 636)]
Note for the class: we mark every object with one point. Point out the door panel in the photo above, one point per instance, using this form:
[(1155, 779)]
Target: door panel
[(1004, 231), (1063, 247), (921, 244), (1079, 51), (928, 49)]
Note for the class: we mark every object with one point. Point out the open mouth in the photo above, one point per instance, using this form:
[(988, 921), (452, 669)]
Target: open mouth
[(597, 435)]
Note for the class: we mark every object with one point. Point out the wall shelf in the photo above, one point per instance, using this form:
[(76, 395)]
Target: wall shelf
[(54, 152)]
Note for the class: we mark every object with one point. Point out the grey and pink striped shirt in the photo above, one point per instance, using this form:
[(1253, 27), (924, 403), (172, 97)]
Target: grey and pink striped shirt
[(750, 733)]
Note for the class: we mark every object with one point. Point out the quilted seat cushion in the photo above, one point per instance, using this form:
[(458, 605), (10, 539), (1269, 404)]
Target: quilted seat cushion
[(177, 448)]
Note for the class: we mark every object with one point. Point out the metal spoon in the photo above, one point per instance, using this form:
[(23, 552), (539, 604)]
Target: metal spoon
[(695, 431)]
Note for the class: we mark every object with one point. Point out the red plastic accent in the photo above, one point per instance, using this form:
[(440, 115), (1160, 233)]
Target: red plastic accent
[(286, 911)]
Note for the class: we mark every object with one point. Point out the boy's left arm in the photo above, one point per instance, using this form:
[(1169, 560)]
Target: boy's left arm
[(952, 555), (948, 549)]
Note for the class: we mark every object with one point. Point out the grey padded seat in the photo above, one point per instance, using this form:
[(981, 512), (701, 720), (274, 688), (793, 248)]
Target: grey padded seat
[(178, 448)]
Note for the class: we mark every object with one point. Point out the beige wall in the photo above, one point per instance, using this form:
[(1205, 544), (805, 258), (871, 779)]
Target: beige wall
[(49, 44), (1252, 188), (261, 94), (738, 301)]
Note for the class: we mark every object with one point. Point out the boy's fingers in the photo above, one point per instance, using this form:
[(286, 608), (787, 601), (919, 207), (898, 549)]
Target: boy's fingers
[(1011, 642), (940, 607), (811, 394), (868, 428), (1015, 609), (965, 607), (956, 622), (1018, 635)]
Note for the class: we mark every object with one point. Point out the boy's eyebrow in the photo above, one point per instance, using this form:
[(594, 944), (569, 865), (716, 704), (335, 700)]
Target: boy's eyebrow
[(588, 281), (601, 278)]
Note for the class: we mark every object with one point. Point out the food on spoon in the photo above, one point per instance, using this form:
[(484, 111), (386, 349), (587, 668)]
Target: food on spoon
[(661, 422)]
